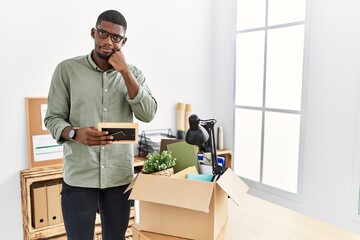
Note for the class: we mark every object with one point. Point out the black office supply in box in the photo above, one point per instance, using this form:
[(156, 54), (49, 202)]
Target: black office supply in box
[(150, 140)]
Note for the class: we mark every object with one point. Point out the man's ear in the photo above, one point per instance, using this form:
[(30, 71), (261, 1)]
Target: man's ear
[(92, 33), (123, 41)]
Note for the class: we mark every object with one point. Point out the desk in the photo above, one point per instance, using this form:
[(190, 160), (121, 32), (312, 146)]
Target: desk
[(228, 156), (139, 161), (257, 219)]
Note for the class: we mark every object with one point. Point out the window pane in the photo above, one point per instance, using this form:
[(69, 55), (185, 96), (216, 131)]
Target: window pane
[(281, 144), (248, 143), (285, 11), (284, 68), (251, 14), (249, 68)]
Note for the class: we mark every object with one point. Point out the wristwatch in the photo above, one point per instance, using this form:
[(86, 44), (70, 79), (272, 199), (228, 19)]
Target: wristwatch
[(72, 134)]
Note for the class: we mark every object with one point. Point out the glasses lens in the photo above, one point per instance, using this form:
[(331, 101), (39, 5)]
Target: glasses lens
[(102, 33), (116, 38)]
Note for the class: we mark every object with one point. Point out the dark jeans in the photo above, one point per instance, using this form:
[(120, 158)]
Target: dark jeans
[(79, 206)]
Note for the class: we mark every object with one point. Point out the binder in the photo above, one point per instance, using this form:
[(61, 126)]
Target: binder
[(185, 154), (53, 204), (60, 189), (40, 218)]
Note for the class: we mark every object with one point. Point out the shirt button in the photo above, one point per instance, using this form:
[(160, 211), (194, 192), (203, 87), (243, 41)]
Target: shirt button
[(102, 148), (105, 90), (105, 73), (105, 109), (102, 166)]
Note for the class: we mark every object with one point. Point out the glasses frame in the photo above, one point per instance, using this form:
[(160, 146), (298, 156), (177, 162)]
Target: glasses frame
[(113, 37)]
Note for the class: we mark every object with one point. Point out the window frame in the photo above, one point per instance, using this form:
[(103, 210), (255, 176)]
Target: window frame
[(302, 112), (355, 203)]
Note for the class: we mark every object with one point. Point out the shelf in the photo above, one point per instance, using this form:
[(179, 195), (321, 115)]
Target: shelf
[(228, 157), (27, 178), (54, 232)]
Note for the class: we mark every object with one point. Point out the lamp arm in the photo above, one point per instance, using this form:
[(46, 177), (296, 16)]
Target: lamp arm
[(213, 150), (216, 169)]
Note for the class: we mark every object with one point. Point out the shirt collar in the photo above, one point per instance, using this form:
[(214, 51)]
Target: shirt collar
[(93, 64)]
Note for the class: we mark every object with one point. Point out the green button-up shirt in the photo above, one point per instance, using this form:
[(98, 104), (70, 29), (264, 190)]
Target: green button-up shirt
[(82, 95)]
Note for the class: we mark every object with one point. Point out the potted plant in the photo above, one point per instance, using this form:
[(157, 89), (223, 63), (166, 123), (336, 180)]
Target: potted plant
[(159, 163)]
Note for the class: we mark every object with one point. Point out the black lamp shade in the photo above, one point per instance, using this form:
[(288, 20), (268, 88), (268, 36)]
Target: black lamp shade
[(196, 134), (196, 137)]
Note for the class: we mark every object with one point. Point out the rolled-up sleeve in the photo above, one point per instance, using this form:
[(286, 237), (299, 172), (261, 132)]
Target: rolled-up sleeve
[(56, 118), (144, 105)]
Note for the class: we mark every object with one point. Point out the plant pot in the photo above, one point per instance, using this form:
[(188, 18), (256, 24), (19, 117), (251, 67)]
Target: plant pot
[(165, 173)]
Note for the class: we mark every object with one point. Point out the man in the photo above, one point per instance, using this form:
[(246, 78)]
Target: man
[(86, 90)]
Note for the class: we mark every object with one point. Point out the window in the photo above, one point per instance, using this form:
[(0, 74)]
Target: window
[(355, 202), (269, 79), (359, 202)]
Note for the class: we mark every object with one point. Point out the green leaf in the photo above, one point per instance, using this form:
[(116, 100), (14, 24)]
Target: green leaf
[(158, 161)]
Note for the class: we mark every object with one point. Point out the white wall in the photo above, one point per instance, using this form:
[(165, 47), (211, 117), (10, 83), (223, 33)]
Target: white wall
[(180, 44), (171, 41)]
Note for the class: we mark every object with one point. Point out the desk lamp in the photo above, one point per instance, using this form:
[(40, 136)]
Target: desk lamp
[(197, 135)]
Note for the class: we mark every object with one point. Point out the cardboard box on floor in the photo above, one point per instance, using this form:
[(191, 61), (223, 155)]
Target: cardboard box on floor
[(185, 208)]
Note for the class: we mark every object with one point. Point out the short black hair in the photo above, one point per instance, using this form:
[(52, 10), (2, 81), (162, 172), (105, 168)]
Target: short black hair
[(112, 16)]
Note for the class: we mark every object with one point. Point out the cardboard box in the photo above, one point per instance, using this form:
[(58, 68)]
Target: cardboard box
[(183, 174), (185, 208)]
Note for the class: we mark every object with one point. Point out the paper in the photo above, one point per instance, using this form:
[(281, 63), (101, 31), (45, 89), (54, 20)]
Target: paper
[(185, 154), (200, 177), (46, 148), (43, 109)]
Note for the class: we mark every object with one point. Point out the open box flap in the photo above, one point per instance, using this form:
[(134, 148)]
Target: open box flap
[(232, 185), (190, 194), (131, 184)]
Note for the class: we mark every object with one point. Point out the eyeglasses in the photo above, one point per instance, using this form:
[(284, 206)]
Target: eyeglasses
[(104, 34)]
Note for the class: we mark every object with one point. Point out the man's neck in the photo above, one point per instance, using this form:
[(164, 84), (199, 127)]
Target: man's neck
[(101, 63)]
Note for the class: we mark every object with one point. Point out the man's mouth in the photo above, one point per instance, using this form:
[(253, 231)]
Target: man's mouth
[(106, 50)]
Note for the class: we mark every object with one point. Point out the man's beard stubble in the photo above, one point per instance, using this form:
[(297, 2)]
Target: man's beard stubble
[(102, 56)]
